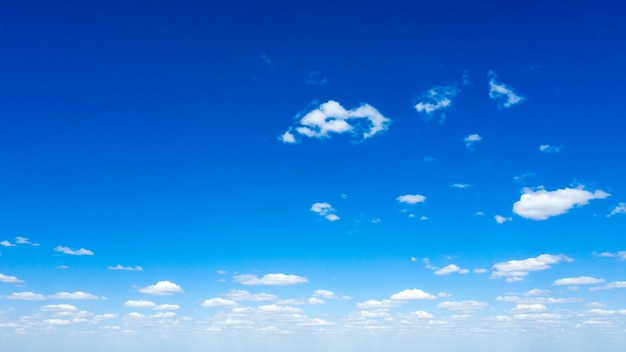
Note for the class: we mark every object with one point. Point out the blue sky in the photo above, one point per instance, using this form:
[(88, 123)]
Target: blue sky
[(343, 177)]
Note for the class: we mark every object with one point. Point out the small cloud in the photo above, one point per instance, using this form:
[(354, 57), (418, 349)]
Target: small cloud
[(218, 302), (436, 99), (59, 308), (78, 295), (24, 240), (26, 296), (546, 148), (460, 185), (619, 209), (541, 204), (411, 199), (6, 244), (288, 137), (610, 286), (480, 213), (331, 117), (9, 279), (429, 159), (126, 268), (499, 91), (480, 271), (620, 254), (413, 259), (316, 79), (424, 218), (326, 210), (63, 267), (67, 250), (523, 177), (271, 279), (141, 304), (241, 295), (452, 268), (471, 140), (325, 294), (501, 219), (265, 58), (581, 280), (462, 305), (420, 314), (162, 288), (516, 270), (413, 294)]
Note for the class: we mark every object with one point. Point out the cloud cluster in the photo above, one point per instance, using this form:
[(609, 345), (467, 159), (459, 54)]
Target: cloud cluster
[(326, 210), (546, 148), (541, 204), (331, 118), (436, 99), (501, 92)]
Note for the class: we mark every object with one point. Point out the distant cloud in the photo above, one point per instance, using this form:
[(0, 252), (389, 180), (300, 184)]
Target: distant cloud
[(162, 288), (610, 286), (24, 240), (270, 279), (471, 140), (325, 294), (316, 79), (9, 279), (78, 295), (449, 269), (546, 148), (436, 99), (6, 244), (529, 308), (265, 58), (412, 294), (141, 304), (218, 302), (411, 199), (516, 270), (501, 219), (581, 280), (619, 209), (326, 210), (523, 177), (620, 254), (463, 305), (126, 268), (26, 296), (501, 92), (63, 267), (331, 117), (460, 185), (67, 250), (242, 295), (542, 204), (59, 308)]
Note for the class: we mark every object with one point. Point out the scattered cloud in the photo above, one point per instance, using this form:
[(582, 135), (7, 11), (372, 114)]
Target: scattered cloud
[(7, 244), (516, 270), (471, 140), (529, 308), (462, 305), (63, 267), (411, 198), (610, 286), (126, 268), (452, 268), (162, 288), (218, 302), (241, 295), (24, 240), (501, 219), (326, 210), (436, 99), (26, 296), (546, 148), (270, 279), (541, 204), (619, 209), (460, 185), (78, 295), (412, 294), (620, 254), (331, 117), (59, 308), (67, 250), (9, 279), (420, 314), (325, 294), (316, 79), (581, 280), (499, 91)]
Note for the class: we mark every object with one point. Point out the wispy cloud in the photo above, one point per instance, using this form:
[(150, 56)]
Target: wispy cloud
[(499, 91), (516, 270), (316, 79), (546, 148), (126, 268), (332, 118), (471, 140), (218, 302), (31, 296), (451, 268), (67, 250), (469, 305), (266, 59), (7, 244), (326, 210), (620, 254), (610, 286), (580, 280), (162, 288), (619, 209), (142, 304), (411, 198), (541, 204), (435, 100), (501, 219), (9, 279), (270, 279), (460, 185)]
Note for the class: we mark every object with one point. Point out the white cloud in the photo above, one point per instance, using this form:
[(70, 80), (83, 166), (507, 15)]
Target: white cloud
[(26, 296), (374, 304), (619, 209), (63, 267), (542, 204), (480, 270), (620, 254), (58, 322), (471, 140), (610, 286), (462, 305), (452, 268), (436, 99), (546, 148), (78, 295), (331, 117), (326, 210), (412, 294), (273, 308), (127, 268), (324, 294), (142, 304), (163, 315), (581, 280), (537, 316), (9, 279), (59, 308), (24, 240), (218, 302), (420, 314), (271, 279), (516, 270), (162, 288), (529, 308), (241, 295), (536, 292), (6, 244), (411, 198), (67, 250), (498, 90), (288, 137), (460, 185), (501, 219)]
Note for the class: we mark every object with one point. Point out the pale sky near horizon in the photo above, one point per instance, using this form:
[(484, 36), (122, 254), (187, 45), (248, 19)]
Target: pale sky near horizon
[(349, 176)]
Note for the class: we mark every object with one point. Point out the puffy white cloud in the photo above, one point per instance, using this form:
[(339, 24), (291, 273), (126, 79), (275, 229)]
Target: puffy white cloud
[(546, 148), (326, 210), (67, 250), (536, 292), (610, 285), (412, 294), (331, 117), (462, 305), (515, 270), (126, 268), (324, 294), (581, 280), (619, 209), (449, 269), (529, 308), (78, 295), (411, 198), (7, 244), (502, 92), (26, 296), (218, 302), (162, 288), (9, 279), (471, 140), (140, 304), (436, 99), (501, 219), (271, 279), (541, 204)]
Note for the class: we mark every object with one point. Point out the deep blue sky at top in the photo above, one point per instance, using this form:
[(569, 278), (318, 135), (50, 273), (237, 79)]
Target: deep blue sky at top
[(155, 125)]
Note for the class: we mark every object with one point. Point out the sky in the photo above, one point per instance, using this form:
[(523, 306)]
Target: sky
[(320, 176)]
